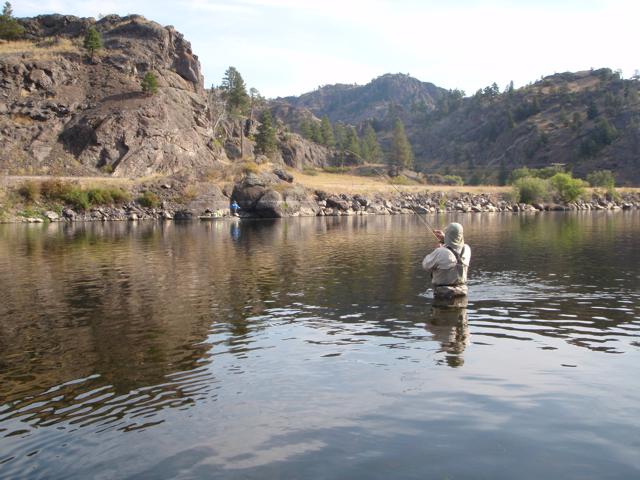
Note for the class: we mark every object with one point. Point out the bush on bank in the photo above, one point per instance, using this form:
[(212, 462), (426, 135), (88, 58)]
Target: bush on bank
[(567, 188), (561, 187), (71, 194), (531, 190)]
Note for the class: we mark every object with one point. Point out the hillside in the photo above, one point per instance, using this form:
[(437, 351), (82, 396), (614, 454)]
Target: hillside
[(585, 120), (357, 103), (64, 112)]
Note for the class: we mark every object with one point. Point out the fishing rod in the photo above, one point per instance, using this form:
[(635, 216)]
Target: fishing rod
[(381, 175)]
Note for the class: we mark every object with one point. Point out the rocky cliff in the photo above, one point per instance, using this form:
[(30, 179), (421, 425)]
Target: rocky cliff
[(63, 112)]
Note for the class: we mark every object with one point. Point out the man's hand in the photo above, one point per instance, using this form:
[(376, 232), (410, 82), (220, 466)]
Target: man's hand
[(440, 235)]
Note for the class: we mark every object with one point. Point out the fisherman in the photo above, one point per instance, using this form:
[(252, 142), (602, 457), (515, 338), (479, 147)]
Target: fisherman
[(234, 208), (448, 263)]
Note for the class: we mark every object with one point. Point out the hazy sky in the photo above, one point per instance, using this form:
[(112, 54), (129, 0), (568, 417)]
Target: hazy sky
[(288, 47)]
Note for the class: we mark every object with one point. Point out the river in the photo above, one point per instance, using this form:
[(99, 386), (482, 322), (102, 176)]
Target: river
[(309, 348)]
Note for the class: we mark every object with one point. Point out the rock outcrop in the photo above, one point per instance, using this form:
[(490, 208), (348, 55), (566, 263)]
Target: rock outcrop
[(63, 112), (267, 195)]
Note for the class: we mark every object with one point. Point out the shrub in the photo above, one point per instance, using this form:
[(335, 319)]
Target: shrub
[(603, 134), (189, 194), (149, 83), (29, 191), (56, 189), (119, 196), (92, 41), (602, 178), (437, 179), (530, 189), (73, 195), (78, 199), (455, 180), (399, 180), (336, 169), (250, 167), (310, 171), (545, 172), (567, 188), (149, 199)]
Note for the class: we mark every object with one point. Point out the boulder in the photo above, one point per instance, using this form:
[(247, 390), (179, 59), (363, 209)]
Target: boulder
[(271, 205), (336, 202), (69, 214), (51, 216), (283, 175)]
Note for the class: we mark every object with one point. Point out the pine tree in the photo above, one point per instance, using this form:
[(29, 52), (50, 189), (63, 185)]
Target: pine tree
[(92, 41), (370, 149), (401, 154), (328, 139), (10, 29), (256, 100), (150, 83), (592, 110), (353, 144), (305, 129), (266, 137), (316, 132), (340, 135), (235, 90)]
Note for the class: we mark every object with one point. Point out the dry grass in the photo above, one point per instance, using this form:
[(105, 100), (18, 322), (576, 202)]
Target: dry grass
[(22, 120), (42, 49), (84, 182), (344, 183)]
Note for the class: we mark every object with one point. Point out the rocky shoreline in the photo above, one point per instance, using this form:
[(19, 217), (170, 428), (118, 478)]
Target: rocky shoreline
[(301, 204)]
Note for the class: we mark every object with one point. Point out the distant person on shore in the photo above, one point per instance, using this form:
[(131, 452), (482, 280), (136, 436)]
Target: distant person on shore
[(448, 263), (234, 208)]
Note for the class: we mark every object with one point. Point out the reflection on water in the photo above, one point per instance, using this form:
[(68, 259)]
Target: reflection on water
[(449, 326), (309, 348)]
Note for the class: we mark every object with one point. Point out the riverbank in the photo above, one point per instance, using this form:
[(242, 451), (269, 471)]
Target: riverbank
[(329, 205), (262, 195)]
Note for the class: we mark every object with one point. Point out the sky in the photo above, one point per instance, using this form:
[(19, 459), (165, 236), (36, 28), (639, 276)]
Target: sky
[(289, 47)]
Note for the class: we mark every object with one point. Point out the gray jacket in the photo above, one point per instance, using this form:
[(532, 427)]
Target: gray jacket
[(441, 263)]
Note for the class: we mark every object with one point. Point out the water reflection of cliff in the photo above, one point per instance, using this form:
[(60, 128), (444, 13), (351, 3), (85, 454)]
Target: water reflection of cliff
[(132, 314), (93, 315)]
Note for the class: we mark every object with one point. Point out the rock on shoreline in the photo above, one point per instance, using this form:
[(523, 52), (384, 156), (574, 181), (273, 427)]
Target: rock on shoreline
[(266, 198)]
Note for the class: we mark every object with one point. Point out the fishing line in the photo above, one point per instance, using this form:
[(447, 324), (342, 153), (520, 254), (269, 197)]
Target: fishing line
[(381, 175)]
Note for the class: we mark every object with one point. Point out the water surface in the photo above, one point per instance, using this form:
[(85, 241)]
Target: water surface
[(309, 348)]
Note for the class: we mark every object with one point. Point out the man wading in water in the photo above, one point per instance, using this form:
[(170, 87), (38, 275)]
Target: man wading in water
[(448, 263)]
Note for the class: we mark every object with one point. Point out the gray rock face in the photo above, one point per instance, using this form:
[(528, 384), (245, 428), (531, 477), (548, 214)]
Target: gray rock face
[(283, 175), (52, 216), (63, 114), (267, 196), (335, 201), (297, 152)]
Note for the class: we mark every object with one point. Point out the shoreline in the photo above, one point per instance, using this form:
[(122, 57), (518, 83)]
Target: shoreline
[(330, 205)]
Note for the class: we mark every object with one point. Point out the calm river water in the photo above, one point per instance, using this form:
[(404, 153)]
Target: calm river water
[(308, 348)]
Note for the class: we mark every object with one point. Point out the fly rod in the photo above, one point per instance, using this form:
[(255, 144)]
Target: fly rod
[(381, 175)]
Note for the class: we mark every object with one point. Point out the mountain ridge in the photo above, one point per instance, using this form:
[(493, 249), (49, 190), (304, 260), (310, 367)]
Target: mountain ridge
[(585, 120)]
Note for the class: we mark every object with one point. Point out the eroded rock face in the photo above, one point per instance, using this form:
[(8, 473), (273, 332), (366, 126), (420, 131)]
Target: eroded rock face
[(63, 113), (297, 152)]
